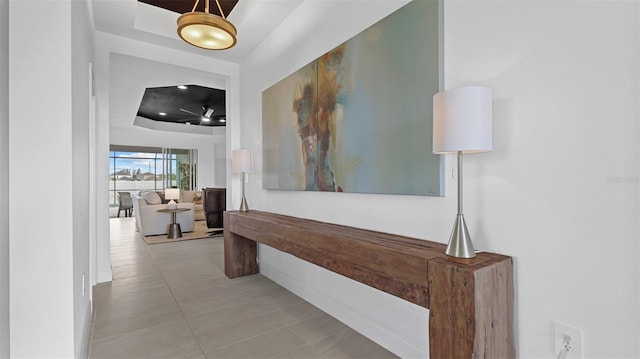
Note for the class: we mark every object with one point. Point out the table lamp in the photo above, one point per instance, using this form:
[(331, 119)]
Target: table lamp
[(241, 163), (172, 193), (462, 123)]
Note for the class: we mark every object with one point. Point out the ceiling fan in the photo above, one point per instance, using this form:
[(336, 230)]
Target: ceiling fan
[(206, 115)]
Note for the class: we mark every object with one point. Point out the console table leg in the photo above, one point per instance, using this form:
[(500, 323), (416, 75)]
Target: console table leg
[(239, 255), (470, 311)]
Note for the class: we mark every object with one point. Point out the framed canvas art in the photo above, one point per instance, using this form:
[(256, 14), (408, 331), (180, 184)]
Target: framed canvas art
[(359, 118)]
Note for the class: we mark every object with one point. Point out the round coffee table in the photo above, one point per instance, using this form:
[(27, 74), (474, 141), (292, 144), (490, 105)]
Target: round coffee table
[(173, 229)]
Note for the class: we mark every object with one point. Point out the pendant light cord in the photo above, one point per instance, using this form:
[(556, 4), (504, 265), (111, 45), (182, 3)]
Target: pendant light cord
[(206, 7), (220, 8)]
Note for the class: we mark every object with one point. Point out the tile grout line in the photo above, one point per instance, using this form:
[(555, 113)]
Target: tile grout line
[(114, 280), (271, 312), (284, 326), (155, 262), (261, 334)]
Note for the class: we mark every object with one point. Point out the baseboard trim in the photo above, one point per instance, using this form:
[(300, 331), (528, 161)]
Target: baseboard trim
[(388, 338)]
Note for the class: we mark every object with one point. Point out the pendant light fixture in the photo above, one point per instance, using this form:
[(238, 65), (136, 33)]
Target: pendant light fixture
[(205, 30)]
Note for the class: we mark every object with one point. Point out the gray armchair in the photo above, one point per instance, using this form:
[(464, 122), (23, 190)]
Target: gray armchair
[(126, 203)]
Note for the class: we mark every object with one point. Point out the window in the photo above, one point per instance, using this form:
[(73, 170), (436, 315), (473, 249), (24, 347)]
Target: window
[(135, 168)]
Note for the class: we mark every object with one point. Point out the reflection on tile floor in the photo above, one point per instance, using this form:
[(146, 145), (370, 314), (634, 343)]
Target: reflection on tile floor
[(173, 300)]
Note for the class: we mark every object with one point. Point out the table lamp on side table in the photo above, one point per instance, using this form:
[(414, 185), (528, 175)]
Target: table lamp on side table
[(462, 123), (172, 193)]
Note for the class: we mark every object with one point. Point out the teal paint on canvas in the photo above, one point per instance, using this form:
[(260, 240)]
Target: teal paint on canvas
[(373, 127)]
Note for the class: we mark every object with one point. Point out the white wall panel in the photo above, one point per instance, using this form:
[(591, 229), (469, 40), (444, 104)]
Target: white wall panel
[(82, 55), (4, 179), (41, 172)]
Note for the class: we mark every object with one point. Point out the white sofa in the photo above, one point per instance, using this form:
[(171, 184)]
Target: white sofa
[(196, 198), (150, 222)]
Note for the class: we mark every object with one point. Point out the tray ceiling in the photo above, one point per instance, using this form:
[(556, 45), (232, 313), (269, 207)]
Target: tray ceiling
[(183, 6)]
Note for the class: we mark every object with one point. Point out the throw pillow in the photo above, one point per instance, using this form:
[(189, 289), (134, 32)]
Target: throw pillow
[(151, 197)]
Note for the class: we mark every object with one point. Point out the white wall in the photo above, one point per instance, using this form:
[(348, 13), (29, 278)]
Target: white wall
[(82, 56), (559, 193), (4, 179), (220, 164), (40, 147), (560, 190), (109, 46)]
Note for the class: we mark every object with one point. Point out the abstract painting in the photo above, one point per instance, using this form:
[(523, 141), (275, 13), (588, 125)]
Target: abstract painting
[(359, 118)]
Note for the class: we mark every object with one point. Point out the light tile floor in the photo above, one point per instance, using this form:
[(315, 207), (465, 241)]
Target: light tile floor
[(173, 300)]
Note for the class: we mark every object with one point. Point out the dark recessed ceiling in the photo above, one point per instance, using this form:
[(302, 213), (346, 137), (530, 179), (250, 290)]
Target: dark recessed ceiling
[(187, 106), (183, 6)]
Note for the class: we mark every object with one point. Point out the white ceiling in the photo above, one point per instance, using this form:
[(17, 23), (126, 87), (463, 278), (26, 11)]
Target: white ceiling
[(254, 20)]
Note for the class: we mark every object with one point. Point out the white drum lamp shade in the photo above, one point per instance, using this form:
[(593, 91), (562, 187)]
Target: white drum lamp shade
[(172, 193), (241, 161), (462, 120)]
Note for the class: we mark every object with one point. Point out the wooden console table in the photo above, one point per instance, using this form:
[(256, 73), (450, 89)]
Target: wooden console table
[(470, 301)]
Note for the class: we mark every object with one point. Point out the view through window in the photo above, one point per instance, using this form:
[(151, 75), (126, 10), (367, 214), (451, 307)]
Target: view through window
[(134, 168)]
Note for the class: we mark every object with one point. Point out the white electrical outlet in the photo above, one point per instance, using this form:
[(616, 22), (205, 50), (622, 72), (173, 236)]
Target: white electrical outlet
[(567, 339)]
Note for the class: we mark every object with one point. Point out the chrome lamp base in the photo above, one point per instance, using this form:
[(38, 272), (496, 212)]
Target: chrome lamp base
[(460, 244), (244, 207)]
